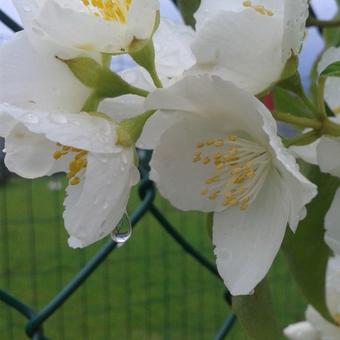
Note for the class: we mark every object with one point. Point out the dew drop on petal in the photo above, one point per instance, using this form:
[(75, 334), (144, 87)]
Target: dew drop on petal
[(123, 231)]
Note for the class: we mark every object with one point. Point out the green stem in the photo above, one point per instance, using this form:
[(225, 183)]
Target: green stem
[(298, 121), (155, 78), (303, 139), (321, 112), (138, 92), (330, 128), (92, 103), (323, 23)]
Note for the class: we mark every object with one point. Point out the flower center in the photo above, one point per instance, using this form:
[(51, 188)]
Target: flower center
[(76, 165), (239, 168), (111, 10), (258, 8)]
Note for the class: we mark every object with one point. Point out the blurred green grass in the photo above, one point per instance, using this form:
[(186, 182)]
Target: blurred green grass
[(148, 289)]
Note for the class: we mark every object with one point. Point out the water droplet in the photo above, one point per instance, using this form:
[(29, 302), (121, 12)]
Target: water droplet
[(122, 168), (123, 231), (4, 150), (105, 205)]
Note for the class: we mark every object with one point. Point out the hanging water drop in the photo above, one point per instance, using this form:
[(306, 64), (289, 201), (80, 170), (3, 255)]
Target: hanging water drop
[(123, 231)]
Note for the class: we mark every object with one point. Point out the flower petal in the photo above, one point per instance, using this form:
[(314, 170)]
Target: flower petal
[(301, 331), (246, 242), (27, 154), (332, 287), (295, 16), (79, 130), (95, 206), (179, 179), (328, 152), (154, 128), (213, 97), (332, 224), (325, 329), (37, 82), (172, 48), (223, 46), (307, 152)]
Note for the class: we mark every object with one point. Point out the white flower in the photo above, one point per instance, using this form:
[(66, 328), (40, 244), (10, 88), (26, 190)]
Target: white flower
[(316, 327), (45, 133), (107, 26), (220, 153), (248, 42)]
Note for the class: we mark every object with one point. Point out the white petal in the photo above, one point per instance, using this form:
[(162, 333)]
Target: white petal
[(328, 152), (29, 155), (332, 224), (155, 127), (172, 47), (301, 331), (37, 82), (246, 242), (295, 15), (77, 29), (307, 152), (223, 46), (332, 84), (333, 287), (213, 97), (299, 190), (326, 330), (27, 9), (122, 107), (78, 130), (179, 179), (95, 206)]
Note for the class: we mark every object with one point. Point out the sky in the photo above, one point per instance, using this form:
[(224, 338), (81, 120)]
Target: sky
[(312, 46)]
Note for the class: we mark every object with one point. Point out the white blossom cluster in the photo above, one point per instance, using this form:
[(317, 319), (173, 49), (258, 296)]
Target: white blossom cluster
[(193, 98)]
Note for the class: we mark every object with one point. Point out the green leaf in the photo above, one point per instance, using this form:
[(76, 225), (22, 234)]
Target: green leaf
[(287, 101), (188, 8), (256, 315), (332, 70), (306, 252), (104, 82)]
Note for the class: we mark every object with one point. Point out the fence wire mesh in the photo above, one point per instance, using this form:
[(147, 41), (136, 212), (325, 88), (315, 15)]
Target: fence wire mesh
[(152, 288)]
